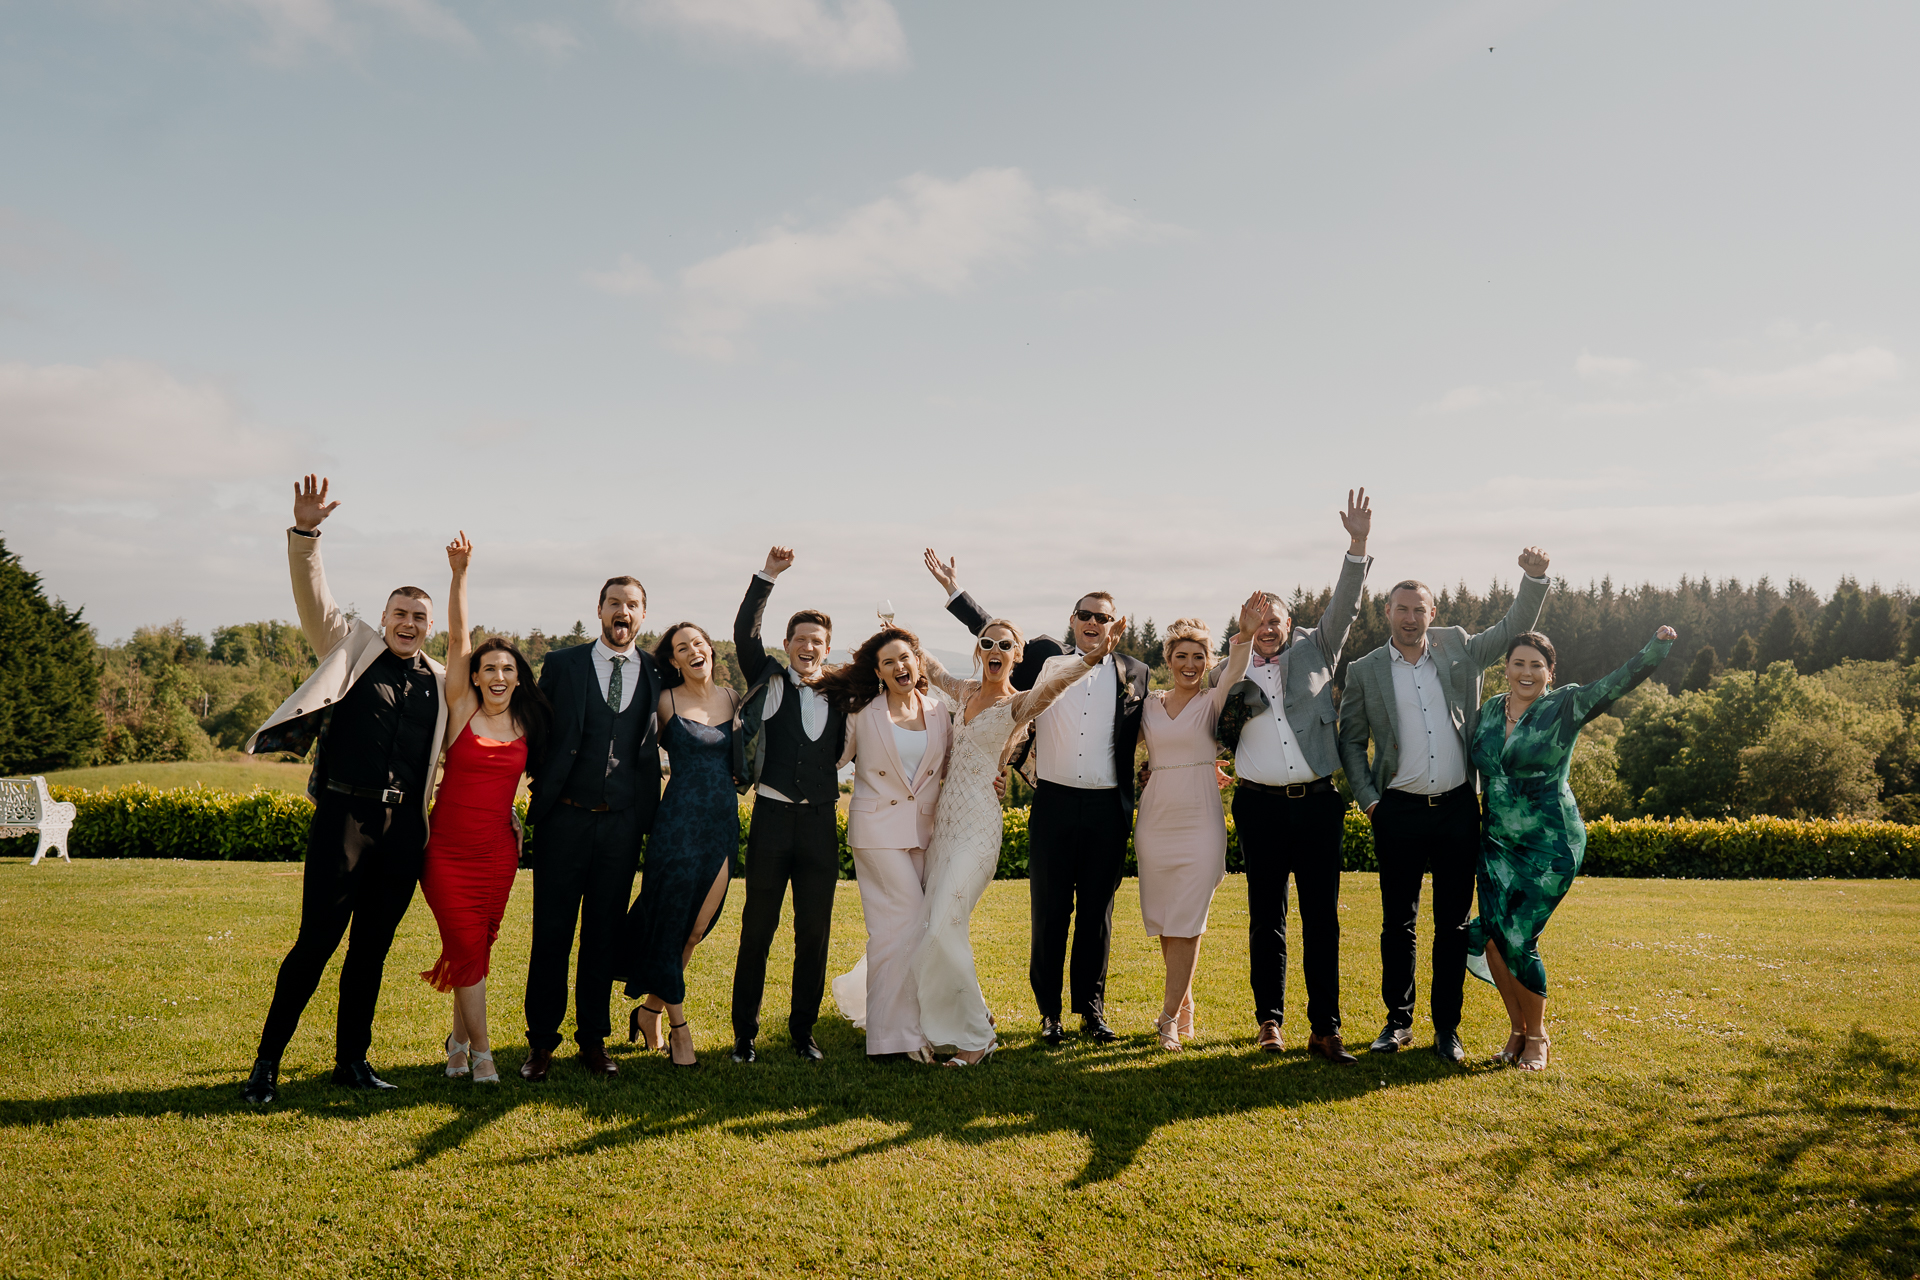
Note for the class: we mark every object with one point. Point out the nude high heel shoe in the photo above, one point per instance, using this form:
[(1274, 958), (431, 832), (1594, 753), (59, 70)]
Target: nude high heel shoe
[(1167, 1026), (1546, 1055)]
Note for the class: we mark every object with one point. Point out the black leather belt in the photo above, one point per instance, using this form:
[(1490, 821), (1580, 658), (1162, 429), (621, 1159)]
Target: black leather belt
[(385, 795), (1433, 802), (590, 808), (1292, 791)]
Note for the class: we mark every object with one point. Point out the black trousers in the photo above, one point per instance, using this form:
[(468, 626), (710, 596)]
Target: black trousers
[(363, 861), (582, 873), (1298, 837), (1077, 848), (1412, 836), (797, 843)]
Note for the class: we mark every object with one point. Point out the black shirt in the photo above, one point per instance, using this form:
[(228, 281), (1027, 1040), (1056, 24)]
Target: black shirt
[(381, 733)]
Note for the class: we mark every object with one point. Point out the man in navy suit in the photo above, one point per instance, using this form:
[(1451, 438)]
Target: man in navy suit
[(593, 800)]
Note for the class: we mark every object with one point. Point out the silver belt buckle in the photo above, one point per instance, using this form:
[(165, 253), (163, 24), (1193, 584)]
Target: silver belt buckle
[(392, 795)]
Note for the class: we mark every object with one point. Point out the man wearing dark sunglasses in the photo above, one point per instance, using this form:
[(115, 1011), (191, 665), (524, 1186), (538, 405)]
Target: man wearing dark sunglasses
[(1082, 803)]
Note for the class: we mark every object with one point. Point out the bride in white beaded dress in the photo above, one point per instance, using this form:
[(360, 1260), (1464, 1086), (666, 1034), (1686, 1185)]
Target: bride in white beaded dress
[(964, 851)]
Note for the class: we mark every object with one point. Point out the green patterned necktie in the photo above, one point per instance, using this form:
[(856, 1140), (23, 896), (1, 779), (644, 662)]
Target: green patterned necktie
[(613, 684)]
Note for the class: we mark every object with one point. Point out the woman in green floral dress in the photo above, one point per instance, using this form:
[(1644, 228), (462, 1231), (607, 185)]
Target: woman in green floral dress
[(1533, 839)]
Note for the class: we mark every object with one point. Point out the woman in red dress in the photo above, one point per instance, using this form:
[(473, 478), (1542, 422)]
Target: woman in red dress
[(493, 717)]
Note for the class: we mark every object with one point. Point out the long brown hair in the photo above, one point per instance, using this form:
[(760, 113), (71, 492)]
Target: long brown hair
[(532, 714), (857, 683)]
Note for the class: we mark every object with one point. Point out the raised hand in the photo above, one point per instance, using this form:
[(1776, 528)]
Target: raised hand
[(1358, 519), (779, 559), (1533, 562), (1107, 643), (945, 574), (1666, 633), (310, 505), (1250, 614), (458, 552)]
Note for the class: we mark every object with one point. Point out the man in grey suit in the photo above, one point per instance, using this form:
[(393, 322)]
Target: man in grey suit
[(1279, 721), (1418, 698)]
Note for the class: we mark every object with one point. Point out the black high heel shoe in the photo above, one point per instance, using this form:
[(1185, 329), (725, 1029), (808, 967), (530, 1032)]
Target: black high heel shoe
[(638, 1030), (671, 1028)]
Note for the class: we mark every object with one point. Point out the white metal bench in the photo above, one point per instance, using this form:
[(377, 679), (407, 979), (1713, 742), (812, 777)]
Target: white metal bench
[(27, 809)]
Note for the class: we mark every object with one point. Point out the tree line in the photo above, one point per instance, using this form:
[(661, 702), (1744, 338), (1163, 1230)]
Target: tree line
[(1774, 701)]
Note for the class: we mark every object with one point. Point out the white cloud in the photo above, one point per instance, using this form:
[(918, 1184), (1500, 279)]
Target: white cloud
[(293, 25), (551, 38), (1463, 398), (851, 35), (1843, 447), (628, 278), (125, 432), (933, 235), (1840, 374), (1588, 365)]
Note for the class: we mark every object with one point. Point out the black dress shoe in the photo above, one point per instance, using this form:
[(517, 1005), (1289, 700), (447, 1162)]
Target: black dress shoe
[(1449, 1049), (743, 1051), (1095, 1028), (1392, 1039), (358, 1075), (1052, 1032), (263, 1086), (807, 1050)]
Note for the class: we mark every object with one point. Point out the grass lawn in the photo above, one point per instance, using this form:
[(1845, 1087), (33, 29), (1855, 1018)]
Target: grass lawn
[(222, 775), (1734, 1092)]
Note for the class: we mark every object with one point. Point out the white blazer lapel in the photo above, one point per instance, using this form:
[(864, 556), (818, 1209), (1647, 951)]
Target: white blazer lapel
[(935, 717), (878, 733)]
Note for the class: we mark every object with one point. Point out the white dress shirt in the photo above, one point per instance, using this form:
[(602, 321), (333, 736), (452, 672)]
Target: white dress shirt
[(1075, 735), (1268, 753), (603, 656), (1431, 760), (813, 717)]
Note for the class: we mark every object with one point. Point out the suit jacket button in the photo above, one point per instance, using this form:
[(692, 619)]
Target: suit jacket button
[(883, 773), (893, 802)]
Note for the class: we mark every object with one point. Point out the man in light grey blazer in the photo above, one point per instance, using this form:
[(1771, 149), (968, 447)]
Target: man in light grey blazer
[(1279, 721), (1417, 698)]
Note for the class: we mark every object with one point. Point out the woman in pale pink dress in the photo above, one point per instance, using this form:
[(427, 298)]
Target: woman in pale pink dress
[(1180, 836)]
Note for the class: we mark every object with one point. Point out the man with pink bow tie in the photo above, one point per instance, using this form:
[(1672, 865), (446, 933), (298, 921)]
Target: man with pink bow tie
[(1279, 722)]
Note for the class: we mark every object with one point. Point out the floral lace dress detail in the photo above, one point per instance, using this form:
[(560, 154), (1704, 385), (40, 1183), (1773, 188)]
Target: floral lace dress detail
[(962, 856)]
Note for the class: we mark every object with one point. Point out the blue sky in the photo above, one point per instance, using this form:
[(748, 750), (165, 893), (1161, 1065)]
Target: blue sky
[(1087, 294)]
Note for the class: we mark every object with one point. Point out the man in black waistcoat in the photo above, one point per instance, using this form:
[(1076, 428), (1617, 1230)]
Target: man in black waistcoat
[(377, 706), (796, 739), (592, 800)]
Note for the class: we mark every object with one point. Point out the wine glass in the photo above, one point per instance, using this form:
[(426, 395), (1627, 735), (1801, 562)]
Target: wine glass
[(884, 612)]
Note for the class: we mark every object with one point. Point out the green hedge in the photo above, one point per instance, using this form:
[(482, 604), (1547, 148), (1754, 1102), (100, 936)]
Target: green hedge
[(1751, 849), (139, 821)]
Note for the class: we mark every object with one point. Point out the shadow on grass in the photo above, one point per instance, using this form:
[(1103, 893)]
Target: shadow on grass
[(1814, 1157), (1117, 1096)]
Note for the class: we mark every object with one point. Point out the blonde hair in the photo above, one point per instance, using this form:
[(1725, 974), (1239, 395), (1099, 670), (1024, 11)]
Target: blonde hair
[(980, 655), (1191, 629)]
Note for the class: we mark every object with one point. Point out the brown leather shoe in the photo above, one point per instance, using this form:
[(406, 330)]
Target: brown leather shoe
[(1330, 1048), (1270, 1037), (594, 1058), (538, 1063)]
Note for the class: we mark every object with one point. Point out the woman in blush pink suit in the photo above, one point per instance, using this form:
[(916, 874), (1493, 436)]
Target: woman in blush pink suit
[(1180, 836)]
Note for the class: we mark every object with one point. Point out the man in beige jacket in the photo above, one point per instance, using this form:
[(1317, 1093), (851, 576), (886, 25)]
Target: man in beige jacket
[(377, 705)]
